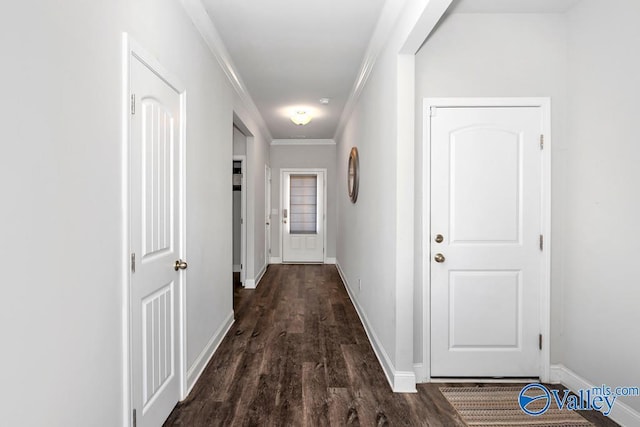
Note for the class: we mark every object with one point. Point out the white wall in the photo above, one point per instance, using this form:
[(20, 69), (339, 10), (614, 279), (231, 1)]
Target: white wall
[(582, 59), (239, 142), (61, 311), (497, 55), (601, 295), (375, 236), (304, 156)]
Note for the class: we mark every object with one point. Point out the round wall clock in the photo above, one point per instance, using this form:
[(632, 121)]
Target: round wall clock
[(353, 175)]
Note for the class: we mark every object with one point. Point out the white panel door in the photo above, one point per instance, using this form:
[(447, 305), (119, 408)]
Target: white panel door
[(155, 240), (303, 216), (486, 188)]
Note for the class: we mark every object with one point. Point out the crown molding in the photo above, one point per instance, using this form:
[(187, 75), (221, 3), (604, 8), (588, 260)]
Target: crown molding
[(303, 142), (418, 16), (384, 27), (200, 18)]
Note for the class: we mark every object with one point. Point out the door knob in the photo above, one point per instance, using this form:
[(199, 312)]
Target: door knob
[(439, 238), (180, 265), (439, 258)]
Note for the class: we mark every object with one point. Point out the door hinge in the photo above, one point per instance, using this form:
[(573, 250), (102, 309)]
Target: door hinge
[(542, 142), (135, 421), (133, 262), (541, 242), (133, 103), (540, 342)]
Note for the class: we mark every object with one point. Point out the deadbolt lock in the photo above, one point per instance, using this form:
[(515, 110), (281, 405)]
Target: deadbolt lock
[(439, 238)]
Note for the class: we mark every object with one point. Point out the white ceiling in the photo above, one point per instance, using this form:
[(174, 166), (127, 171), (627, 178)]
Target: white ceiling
[(292, 53), (512, 6)]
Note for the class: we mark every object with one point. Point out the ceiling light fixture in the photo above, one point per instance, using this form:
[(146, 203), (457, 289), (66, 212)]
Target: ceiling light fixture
[(324, 101), (301, 118)]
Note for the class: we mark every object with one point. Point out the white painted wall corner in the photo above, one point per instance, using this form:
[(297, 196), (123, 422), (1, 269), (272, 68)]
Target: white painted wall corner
[(205, 356), (275, 260), (621, 413), (400, 381), (330, 260)]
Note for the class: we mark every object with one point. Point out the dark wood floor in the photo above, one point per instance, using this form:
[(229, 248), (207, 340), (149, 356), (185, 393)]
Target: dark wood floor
[(298, 355)]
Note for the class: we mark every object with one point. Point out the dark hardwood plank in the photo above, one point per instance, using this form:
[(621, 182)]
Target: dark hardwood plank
[(296, 355)]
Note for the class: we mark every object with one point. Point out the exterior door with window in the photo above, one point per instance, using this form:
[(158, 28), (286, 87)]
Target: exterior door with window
[(303, 216)]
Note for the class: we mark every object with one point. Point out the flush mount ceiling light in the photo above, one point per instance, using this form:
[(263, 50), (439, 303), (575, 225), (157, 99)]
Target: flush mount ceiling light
[(324, 101), (301, 118)]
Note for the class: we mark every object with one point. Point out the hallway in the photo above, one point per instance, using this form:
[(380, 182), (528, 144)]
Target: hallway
[(298, 352), (298, 355)]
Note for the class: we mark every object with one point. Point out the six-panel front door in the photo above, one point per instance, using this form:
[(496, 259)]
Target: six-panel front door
[(303, 216), (155, 244), (486, 188)]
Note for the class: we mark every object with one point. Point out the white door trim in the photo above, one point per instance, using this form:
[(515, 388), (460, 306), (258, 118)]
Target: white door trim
[(267, 216), (283, 171), (243, 213), (131, 48), (424, 374)]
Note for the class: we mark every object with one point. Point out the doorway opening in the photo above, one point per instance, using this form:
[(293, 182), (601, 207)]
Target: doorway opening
[(239, 213)]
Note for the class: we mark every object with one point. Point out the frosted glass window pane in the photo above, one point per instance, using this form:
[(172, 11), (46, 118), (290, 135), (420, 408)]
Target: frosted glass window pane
[(303, 201)]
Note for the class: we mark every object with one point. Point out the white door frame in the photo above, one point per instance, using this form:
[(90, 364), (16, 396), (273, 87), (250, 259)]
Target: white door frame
[(283, 171), (131, 48), (424, 374), (267, 215), (243, 213)]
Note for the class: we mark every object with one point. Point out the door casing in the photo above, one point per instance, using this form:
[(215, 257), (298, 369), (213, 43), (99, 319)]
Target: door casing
[(129, 49), (267, 215), (423, 373), (243, 214), (324, 212)]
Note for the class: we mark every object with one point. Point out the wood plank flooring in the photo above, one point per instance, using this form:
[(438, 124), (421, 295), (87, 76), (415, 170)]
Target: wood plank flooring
[(298, 355)]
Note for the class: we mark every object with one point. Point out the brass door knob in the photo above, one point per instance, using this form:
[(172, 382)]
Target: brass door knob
[(439, 238), (180, 265), (439, 258)]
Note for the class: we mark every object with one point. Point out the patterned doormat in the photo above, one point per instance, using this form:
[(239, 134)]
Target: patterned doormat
[(498, 406)]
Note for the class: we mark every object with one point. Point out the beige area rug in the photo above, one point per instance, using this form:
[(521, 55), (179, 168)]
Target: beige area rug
[(498, 406)]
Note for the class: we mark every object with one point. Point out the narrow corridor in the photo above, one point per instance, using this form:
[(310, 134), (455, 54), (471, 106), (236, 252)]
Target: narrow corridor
[(298, 355)]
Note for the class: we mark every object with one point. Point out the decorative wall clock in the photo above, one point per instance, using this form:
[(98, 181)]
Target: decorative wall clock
[(353, 173)]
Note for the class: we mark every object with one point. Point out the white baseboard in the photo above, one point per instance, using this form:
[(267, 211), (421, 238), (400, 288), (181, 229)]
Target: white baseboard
[(205, 356), (400, 381), (250, 284), (237, 268), (621, 413), (261, 274), (275, 260), (418, 370), (330, 260)]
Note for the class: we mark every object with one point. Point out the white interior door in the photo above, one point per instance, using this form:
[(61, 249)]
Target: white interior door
[(486, 259), (155, 243), (303, 216)]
